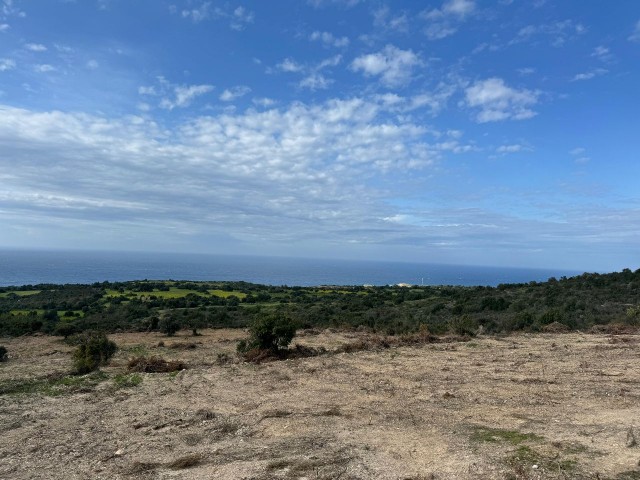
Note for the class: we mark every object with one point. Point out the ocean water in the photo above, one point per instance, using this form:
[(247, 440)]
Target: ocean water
[(20, 267)]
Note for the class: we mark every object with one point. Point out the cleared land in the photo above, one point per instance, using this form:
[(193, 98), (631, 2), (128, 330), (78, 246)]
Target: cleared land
[(515, 407)]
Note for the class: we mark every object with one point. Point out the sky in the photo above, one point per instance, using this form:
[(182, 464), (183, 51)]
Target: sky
[(474, 132)]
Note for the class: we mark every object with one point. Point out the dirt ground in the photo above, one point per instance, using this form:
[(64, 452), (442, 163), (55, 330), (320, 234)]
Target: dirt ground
[(515, 407)]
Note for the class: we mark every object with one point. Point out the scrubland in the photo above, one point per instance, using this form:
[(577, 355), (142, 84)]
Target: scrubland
[(519, 406)]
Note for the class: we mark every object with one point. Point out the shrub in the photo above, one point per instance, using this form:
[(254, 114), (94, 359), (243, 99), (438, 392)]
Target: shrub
[(273, 333), (464, 325), (3, 353), (154, 365), (94, 349), (168, 325)]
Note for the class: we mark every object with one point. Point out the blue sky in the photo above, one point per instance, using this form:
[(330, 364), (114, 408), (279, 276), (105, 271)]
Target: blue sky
[(459, 131)]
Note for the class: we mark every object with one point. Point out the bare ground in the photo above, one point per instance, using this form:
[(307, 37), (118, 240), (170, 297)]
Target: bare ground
[(516, 407)]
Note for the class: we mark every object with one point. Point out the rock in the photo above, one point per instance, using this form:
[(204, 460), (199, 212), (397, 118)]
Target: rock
[(119, 452)]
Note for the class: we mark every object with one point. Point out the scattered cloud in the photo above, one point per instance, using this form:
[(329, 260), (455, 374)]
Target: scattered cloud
[(526, 71), (496, 101), (290, 65), (264, 102), (314, 78), (602, 53), (515, 148), (579, 155), (393, 65), (444, 21), (173, 95), (635, 35), (44, 68), (315, 81), (590, 74), (328, 39), (93, 64), (35, 47), (558, 33), (4, 27), (233, 93), (341, 3), (238, 17), (383, 18), (7, 64)]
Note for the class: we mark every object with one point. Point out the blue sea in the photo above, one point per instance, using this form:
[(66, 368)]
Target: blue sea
[(21, 267)]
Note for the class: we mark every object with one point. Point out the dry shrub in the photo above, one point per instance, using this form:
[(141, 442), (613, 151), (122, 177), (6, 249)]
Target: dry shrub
[(187, 461), (183, 346), (555, 327), (154, 365), (259, 355), (378, 342), (614, 329)]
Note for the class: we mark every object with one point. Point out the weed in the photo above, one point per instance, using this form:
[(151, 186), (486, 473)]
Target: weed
[(127, 381), (482, 434), (52, 386), (3, 353)]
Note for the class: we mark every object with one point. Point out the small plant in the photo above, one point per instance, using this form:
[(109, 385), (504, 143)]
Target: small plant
[(127, 381), (93, 349), (3, 353)]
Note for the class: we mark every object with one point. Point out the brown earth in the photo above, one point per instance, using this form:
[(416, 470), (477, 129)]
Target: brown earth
[(516, 407)]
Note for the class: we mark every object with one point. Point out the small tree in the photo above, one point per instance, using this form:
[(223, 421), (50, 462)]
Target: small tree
[(94, 349), (168, 325), (272, 333)]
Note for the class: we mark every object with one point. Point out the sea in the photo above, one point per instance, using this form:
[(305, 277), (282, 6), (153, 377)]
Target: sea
[(23, 267)]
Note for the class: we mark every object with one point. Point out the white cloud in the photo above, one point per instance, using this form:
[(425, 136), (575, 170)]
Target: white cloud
[(635, 36), (306, 166), (198, 14), (557, 32), (44, 68), (4, 27), (92, 64), (589, 75), (580, 155), (184, 95), (290, 65), (515, 148), (325, 3), (7, 64), (444, 21), (315, 81), (601, 53), (238, 17), (383, 18), (496, 101), (35, 47), (526, 71), (264, 102), (233, 93), (147, 90), (393, 65), (328, 39)]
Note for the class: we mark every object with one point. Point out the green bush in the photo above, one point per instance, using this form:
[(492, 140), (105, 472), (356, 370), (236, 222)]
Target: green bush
[(94, 349), (464, 325), (168, 325), (272, 333), (3, 353)]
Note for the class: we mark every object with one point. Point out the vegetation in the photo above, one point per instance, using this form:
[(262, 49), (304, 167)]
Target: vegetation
[(583, 302), (3, 353), (93, 349), (272, 333)]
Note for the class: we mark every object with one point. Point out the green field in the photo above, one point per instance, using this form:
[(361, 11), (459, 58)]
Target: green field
[(173, 292), (20, 293)]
